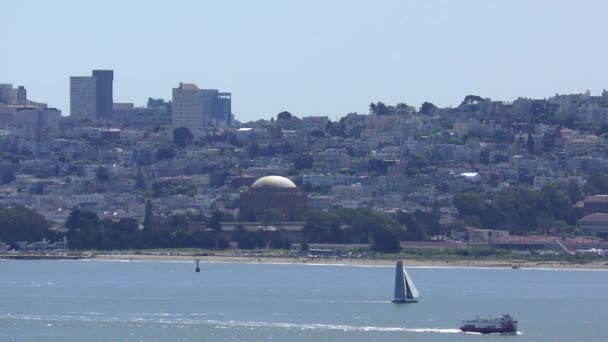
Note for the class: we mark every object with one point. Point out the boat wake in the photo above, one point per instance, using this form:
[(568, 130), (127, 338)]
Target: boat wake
[(347, 328), (164, 320)]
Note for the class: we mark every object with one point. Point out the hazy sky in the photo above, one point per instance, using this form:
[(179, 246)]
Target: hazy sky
[(309, 57)]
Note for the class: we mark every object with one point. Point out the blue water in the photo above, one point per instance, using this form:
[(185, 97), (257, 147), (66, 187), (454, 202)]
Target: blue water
[(168, 301)]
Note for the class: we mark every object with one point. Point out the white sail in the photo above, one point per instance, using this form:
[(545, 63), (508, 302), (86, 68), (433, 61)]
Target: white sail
[(410, 283)]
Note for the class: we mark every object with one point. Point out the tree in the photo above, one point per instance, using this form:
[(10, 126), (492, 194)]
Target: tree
[(574, 192), (148, 216), (335, 129), (412, 229), (140, 180), (23, 224), (471, 208), (548, 141), (254, 149), (166, 152), (404, 109), (303, 161), (7, 176), (379, 108), (102, 174), (215, 221), (272, 217), (558, 204), (386, 241), (472, 99), (597, 184), (530, 145), (83, 229), (376, 165), (284, 115), (322, 227), (427, 108), (182, 137), (158, 103)]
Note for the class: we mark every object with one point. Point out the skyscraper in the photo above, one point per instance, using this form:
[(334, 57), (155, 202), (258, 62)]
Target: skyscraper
[(104, 97), (196, 108), (217, 106), (187, 107), (83, 90), (92, 96)]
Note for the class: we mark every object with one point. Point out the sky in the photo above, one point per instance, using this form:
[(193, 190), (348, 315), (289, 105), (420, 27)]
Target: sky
[(309, 57)]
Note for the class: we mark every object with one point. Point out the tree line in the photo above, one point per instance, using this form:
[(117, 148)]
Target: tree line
[(522, 210), (24, 224), (519, 210)]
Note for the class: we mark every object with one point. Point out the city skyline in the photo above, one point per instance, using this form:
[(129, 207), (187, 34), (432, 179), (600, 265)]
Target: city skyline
[(313, 58)]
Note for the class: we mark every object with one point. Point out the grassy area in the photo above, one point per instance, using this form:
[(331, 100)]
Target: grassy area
[(448, 254)]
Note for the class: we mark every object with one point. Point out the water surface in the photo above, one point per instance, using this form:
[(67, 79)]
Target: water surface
[(168, 301)]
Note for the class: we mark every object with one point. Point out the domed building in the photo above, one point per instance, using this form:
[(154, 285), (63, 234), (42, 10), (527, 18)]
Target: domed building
[(272, 192)]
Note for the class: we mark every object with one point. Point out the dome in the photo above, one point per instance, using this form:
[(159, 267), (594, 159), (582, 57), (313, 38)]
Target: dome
[(273, 182)]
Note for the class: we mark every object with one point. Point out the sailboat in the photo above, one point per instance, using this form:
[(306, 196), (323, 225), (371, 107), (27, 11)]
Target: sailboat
[(405, 290)]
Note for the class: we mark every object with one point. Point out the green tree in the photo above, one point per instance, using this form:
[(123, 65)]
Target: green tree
[(472, 99), (272, 217), (428, 108), (254, 149), (412, 230), (323, 227), (140, 180), (23, 224), (386, 241), (379, 108), (557, 203), (521, 207), (83, 229), (404, 109), (215, 221), (7, 176), (166, 152), (148, 216), (530, 144), (285, 115), (469, 204), (182, 137), (597, 184), (574, 192), (102, 174)]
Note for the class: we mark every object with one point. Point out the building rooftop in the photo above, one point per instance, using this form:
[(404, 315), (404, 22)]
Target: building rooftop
[(187, 86), (596, 217), (273, 182), (597, 198)]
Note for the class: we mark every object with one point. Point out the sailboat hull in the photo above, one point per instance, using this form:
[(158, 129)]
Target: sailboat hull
[(404, 301)]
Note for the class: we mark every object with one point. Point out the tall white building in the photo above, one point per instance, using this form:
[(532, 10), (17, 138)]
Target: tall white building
[(83, 90), (188, 107)]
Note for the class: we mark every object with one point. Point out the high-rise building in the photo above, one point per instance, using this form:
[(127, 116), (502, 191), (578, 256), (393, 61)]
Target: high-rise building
[(92, 96), (196, 108), (40, 121), (13, 96), (217, 106), (83, 91), (188, 107), (104, 97)]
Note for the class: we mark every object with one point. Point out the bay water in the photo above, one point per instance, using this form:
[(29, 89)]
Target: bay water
[(167, 301)]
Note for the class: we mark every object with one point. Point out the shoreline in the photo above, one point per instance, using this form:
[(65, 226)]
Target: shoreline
[(460, 263), (362, 262)]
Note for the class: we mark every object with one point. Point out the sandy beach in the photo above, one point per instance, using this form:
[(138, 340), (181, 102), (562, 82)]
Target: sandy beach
[(596, 265)]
